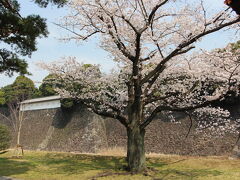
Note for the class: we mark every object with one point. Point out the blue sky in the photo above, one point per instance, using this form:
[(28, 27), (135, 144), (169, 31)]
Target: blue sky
[(51, 49)]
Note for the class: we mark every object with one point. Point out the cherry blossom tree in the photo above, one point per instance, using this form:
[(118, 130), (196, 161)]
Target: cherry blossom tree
[(151, 40)]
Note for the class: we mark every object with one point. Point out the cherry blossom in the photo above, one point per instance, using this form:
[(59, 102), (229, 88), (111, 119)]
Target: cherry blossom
[(152, 42)]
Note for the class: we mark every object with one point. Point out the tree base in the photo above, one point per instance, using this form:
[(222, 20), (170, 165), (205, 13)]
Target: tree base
[(135, 150), (235, 153), (18, 152), (150, 172)]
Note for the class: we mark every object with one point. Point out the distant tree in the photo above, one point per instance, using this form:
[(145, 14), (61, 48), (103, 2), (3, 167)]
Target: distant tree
[(21, 89), (51, 83), (44, 3), (47, 86), (20, 33), (15, 118)]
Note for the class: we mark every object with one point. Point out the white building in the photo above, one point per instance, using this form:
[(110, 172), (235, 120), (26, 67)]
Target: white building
[(49, 102)]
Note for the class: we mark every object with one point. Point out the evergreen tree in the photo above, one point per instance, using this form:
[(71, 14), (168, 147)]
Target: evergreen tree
[(48, 85), (21, 89), (20, 34)]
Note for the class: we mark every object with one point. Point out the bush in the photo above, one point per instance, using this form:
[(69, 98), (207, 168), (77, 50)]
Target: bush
[(4, 138)]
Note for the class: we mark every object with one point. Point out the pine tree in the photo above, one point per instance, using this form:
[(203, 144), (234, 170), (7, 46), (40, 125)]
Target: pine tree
[(20, 34)]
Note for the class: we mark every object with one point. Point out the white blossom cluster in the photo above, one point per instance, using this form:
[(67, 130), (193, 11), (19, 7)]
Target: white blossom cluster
[(88, 85), (215, 120)]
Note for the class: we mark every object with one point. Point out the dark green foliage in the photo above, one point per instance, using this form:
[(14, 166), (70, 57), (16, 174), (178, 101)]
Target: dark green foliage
[(2, 98), (20, 34), (48, 85), (235, 46), (67, 103), (36, 93), (44, 3), (10, 63), (47, 89), (21, 89), (4, 138)]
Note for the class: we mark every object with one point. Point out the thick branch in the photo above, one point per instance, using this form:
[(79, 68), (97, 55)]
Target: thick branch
[(130, 24), (120, 118), (115, 115), (150, 18)]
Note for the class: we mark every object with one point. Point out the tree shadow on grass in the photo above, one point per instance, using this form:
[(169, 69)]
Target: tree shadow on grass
[(9, 167), (172, 173), (176, 173), (77, 164), (156, 163), (70, 164)]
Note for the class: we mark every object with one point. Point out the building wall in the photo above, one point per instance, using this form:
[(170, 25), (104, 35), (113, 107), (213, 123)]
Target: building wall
[(79, 130), (40, 105)]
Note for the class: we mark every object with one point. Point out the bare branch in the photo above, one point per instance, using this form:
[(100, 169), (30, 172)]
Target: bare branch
[(183, 51), (75, 33), (150, 55), (181, 46)]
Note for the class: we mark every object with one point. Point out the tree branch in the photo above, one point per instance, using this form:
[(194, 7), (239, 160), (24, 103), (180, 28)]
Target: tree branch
[(120, 118), (120, 45), (184, 44), (75, 33), (154, 10), (154, 99), (130, 24), (177, 109)]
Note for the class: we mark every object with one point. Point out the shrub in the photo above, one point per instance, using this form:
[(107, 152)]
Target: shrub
[(4, 138)]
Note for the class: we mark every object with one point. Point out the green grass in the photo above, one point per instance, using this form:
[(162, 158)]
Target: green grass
[(67, 166)]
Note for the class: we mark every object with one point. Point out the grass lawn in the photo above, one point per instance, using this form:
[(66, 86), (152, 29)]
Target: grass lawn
[(68, 166)]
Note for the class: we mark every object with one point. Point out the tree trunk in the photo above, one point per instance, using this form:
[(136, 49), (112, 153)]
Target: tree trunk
[(236, 149), (135, 144), (18, 136), (20, 121), (135, 149)]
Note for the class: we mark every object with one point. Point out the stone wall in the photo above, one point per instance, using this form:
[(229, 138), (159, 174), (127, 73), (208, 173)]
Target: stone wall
[(79, 130)]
